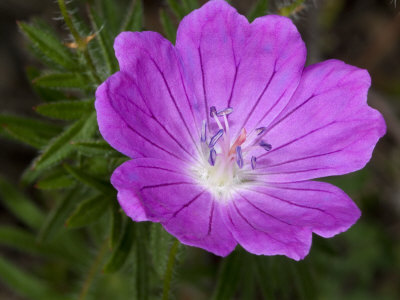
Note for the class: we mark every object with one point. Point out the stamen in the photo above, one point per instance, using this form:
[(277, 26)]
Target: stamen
[(215, 138), (225, 112), (213, 111), (203, 132), (265, 145), (239, 158), (260, 130), (253, 162), (213, 156)]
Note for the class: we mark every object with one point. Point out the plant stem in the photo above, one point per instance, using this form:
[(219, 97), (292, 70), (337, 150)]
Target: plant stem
[(82, 44), (93, 270), (170, 267)]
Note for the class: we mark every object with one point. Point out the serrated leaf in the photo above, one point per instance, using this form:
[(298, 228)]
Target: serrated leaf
[(45, 129), (260, 9), (25, 284), (60, 147), (66, 110), (19, 205), (168, 26), (63, 81), (46, 94), (121, 252), (24, 135), (89, 180), (49, 45), (134, 18), (55, 181), (95, 148), (27, 130), (89, 211), (55, 220)]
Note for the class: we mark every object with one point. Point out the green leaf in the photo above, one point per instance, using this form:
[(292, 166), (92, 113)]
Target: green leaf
[(229, 276), (46, 94), (259, 9), (25, 284), (63, 81), (111, 13), (177, 8), (60, 147), (57, 180), (116, 225), (160, 244), (26, 242), (44, 129), (190, 5), (65, 110), (89, 211), (89, 180), (19, 205), (57, 217), (168, 26), (49, 45), (134, 18), (122, 251), (27, 130), (24, 135), (95, 148), (104, 40)]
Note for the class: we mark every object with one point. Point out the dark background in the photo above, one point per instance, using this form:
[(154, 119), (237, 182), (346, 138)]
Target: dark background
[(365, 33)]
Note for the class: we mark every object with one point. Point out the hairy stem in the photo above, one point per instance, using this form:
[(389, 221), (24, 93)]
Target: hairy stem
[(82, 44), (169, 270)]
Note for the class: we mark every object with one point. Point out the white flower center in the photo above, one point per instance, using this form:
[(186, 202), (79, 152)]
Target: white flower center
[(222, 167)]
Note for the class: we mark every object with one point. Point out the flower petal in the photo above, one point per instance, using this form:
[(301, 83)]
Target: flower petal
[(253, 68), (279, 218), (166, 194), (326, 129), (146, 110)]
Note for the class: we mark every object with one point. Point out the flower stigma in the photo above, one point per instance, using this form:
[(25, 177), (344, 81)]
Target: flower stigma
[(225, 165)]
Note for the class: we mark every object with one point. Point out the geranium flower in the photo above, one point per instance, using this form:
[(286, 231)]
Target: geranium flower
[(227, 128)]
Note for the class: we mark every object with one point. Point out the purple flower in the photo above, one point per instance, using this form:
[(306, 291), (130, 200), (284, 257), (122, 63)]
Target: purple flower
[(227, 128)]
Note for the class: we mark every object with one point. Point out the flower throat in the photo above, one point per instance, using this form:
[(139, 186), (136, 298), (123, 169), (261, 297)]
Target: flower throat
[(227, 164)]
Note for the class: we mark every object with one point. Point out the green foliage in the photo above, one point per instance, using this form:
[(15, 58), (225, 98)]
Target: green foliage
[(260, 9), (65, 110), (49, 44), (72, 224), (19, 205)]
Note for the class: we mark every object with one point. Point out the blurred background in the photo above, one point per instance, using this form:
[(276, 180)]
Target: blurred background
[(363, 263)]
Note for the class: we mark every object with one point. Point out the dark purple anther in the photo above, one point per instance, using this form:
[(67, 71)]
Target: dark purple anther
[(215, 138), (239, 158), (225, 112), (203, 137), (213, 111), (260, 130), (253, 162), (265, 145), (212, 158)]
